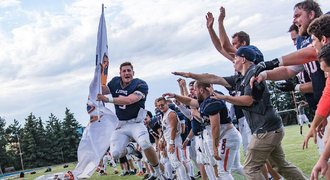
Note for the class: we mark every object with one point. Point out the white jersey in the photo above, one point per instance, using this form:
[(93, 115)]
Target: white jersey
[(166, 126)]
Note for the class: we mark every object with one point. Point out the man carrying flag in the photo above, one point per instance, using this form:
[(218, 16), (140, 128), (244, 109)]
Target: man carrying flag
[(129, 96), (96, 137)]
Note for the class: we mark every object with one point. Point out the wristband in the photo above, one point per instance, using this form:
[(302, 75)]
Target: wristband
[(280, 61), (171, 142), (297, 88), (188, 139), (263, 75), (110, 99)]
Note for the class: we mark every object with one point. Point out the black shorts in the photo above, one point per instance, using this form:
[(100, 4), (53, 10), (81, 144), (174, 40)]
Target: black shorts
[(123, 160)]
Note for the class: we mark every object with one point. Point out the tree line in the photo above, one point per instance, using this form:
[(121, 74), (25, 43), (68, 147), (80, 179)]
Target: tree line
[(286, 103), (40, 144)]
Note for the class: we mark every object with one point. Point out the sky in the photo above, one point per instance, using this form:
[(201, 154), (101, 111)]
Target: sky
[(47, 48)]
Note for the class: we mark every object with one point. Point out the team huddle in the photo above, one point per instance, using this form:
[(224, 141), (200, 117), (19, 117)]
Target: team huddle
[(195, 130)]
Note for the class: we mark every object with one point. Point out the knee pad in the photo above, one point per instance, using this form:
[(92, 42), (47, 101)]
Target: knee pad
[(145, 144)]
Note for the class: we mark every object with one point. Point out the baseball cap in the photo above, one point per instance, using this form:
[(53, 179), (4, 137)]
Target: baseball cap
[(247, 53), (259, 55)]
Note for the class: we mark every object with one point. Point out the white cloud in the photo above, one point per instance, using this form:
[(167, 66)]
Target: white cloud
[(9, 3), (250, 21), (47, 56)]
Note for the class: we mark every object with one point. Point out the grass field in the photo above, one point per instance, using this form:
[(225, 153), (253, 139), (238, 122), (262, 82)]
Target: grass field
[(292, 144)]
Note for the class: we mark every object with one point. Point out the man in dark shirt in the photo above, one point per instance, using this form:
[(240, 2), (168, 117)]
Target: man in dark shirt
[(266, 125)]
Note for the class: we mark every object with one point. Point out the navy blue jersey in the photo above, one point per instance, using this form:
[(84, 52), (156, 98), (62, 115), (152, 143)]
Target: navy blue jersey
[(197, 127), (314, 71), (212, 106), (153, 129), (303, 77), (127, 112)]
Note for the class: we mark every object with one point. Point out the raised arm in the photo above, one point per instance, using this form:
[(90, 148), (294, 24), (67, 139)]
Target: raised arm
[(185, 111), (289, 86), (280, 73), (206, 78), (183, 99), (183, 87), (215, 40), (244, 100), (304, 55), (301, 56), (227, 46)]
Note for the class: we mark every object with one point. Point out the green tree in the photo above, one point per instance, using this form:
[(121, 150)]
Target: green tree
[(285, 102), (4, 158), (71, 136), (14, 131), (29, 143), (54, 136), (42, 144)]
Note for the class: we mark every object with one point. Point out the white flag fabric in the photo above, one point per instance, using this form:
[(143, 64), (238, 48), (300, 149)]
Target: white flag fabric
[(96, 137)]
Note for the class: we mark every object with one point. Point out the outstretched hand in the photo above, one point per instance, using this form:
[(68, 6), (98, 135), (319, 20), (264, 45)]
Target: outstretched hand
[(183, 74), (169, 95), (209, 20)]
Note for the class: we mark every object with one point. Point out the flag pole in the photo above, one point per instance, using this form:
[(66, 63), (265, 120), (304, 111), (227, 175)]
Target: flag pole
[(100, 64)]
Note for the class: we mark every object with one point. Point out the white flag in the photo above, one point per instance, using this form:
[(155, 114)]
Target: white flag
[(96, 137)]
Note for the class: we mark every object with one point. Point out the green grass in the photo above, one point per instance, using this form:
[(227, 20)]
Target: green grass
[(292, 145)]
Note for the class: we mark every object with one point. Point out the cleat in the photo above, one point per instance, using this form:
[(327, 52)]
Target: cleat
[(146, 176), (124, 174), (198, 175)]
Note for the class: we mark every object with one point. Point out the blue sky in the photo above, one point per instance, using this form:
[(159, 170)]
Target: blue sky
[(48, 47)]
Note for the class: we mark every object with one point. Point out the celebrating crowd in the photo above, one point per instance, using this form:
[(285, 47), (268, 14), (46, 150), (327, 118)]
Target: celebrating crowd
[(195, 130)]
